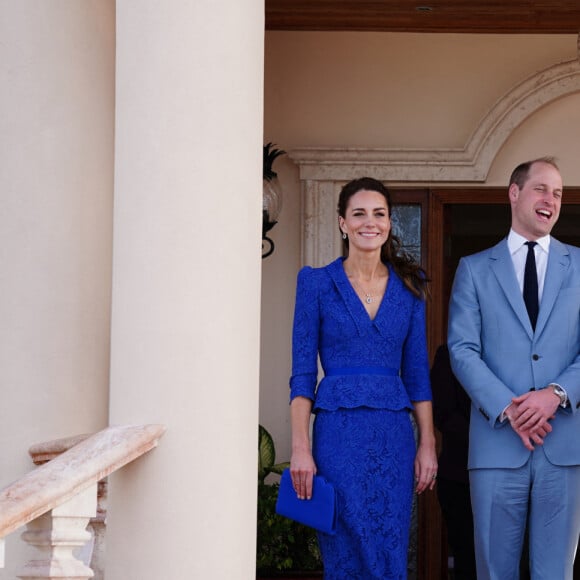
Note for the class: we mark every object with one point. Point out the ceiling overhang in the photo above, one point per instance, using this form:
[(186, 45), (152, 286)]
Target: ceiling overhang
[(455, 16)]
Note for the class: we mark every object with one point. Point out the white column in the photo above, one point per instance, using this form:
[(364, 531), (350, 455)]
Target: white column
[(186, 286), (57, 82)]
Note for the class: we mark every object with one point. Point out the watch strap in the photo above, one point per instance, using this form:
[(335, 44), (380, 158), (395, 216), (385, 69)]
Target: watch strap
[(560, 393)]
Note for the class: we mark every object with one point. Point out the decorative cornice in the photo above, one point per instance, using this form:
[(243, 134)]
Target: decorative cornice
[(323, 170), (468, 164)]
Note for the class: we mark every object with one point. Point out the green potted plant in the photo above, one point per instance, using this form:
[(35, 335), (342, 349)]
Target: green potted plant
[(286, 549)]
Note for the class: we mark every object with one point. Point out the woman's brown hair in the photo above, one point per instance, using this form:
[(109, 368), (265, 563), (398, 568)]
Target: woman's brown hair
[(405, 266)]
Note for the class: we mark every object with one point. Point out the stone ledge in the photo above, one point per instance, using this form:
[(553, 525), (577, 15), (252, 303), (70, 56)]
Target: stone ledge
[(72, 471)]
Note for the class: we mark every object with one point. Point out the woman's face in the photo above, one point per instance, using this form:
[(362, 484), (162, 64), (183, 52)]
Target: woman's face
[(366, 221)]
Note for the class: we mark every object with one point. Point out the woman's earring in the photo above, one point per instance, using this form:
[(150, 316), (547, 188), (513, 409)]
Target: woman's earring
[(343, 236)]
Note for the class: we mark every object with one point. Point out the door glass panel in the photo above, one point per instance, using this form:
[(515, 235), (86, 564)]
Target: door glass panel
[(406, 224)]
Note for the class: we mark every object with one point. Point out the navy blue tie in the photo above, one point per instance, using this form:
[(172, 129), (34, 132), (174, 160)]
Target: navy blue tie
[(531, 285)]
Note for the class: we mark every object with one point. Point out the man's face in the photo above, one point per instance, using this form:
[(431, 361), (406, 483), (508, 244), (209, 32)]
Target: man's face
[(536, 206)]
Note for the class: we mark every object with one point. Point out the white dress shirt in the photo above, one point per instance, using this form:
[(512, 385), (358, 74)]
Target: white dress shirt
[(519, 252)]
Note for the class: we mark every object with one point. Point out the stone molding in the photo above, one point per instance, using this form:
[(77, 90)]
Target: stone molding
[(324, 169), (470, 163), (46, 451)]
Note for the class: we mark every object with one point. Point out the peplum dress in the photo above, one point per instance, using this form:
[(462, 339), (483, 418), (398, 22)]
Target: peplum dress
[(362, 439)]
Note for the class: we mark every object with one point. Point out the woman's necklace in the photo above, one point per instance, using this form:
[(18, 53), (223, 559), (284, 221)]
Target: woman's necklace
[(374, 289), (369, 295)]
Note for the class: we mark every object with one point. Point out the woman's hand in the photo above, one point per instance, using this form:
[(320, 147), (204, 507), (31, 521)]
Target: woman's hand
[(302, 470), (302, 466), (426, 458), (425, 468)]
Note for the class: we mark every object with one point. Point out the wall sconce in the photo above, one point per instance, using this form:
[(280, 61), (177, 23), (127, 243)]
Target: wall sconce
[(271, 197)]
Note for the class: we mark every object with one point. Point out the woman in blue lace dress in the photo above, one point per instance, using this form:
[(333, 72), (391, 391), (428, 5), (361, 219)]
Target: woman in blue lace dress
[(364, 316)]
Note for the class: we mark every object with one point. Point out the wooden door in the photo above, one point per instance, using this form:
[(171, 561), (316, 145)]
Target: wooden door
[(489, 210)]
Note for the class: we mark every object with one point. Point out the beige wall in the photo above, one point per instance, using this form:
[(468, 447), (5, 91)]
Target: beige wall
[(56, 190), (395, 91)]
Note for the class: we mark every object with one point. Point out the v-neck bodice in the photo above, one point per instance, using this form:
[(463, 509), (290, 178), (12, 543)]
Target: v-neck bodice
[(331, 322), (361, 301)]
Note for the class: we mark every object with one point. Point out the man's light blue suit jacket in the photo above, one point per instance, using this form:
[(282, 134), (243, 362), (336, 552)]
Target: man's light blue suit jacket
[(496, 355)]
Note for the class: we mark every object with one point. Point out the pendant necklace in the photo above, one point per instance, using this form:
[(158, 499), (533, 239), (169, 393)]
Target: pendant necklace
[(369, 297)]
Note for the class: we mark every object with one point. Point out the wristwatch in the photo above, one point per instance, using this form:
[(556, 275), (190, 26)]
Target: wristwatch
[(560, 393)]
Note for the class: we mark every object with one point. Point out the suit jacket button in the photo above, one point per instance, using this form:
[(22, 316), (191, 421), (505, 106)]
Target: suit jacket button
[(535, 357)]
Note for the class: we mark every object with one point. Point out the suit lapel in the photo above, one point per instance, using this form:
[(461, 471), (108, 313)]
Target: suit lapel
[(558, 264), (503, 268)]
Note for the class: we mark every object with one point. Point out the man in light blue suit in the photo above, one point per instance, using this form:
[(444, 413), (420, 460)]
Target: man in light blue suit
[(521, 369)]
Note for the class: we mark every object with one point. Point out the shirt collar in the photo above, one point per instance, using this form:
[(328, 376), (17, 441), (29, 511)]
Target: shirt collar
[(515, 242)]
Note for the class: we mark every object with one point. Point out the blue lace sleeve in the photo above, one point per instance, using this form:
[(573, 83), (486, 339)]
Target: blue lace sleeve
[(415, 360), (305, 336)]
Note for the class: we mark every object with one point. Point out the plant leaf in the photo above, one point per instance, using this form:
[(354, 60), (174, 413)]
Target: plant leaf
[(266, 453), (279, 467)]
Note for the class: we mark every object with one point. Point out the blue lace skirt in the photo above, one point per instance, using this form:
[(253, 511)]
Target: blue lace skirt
[(368, 454)]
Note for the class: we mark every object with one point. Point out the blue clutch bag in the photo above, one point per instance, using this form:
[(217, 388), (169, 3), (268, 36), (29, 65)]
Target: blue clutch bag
[(319, 512)]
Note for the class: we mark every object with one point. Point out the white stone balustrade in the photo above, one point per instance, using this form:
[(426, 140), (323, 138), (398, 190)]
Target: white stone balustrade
[(93, 552), (59, 498), (57, 534)]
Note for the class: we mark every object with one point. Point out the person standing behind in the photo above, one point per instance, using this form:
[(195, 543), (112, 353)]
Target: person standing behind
[(514, 339), (364, 315), (451, 407)]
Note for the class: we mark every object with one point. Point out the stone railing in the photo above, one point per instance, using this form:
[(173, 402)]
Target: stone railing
[(57, 500)]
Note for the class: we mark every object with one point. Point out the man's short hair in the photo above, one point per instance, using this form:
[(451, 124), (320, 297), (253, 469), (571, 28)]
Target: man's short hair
[(521, 173)]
